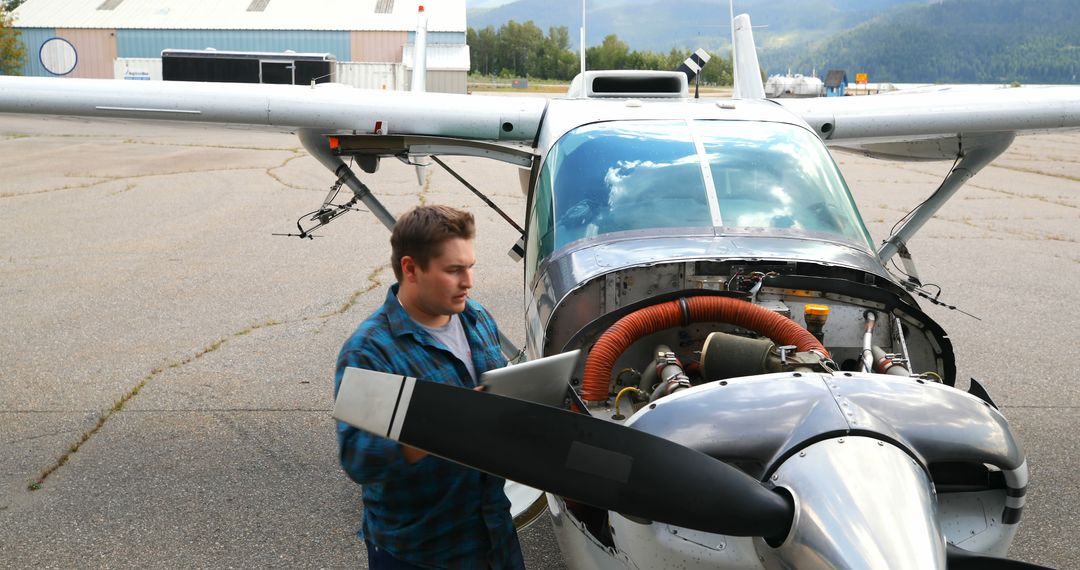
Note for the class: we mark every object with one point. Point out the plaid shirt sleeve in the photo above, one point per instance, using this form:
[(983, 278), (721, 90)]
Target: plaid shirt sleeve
[(365, 457)]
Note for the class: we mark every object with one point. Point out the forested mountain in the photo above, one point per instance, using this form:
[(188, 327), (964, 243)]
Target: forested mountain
[(961, 41), (967, 41)]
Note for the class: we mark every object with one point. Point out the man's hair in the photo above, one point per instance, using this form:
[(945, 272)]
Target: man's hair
[(421, 232)]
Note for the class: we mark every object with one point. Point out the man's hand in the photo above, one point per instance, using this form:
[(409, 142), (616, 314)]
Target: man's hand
[(412, 455)]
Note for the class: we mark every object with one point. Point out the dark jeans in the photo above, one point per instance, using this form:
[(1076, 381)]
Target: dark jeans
[(379, 559)]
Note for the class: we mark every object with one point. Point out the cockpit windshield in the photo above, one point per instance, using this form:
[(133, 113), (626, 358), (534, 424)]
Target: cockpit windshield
[(733, 175)]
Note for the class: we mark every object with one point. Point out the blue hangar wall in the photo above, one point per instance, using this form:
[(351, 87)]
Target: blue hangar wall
[(96, 49)]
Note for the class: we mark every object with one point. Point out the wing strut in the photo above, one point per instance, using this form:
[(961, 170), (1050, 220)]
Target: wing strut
[(972, 160), (479, 194), (315, 143)]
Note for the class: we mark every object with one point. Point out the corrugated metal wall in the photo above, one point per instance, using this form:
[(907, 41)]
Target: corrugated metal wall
[(149, 43), (32, 38), (377, 46), (96, 50)]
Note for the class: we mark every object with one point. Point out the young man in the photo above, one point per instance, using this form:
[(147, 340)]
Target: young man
[(422, 511)]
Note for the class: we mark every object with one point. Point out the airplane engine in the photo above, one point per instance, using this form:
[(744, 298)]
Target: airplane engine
[(839, 394)]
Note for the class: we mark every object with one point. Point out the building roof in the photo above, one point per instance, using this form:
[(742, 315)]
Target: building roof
[(326, 15), (835, 78)]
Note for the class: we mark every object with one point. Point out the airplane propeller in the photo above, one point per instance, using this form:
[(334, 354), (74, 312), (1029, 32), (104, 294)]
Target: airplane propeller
[(577, 456), (589, 460)]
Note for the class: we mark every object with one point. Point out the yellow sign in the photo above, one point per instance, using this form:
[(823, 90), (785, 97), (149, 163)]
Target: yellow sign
[(860, 78)]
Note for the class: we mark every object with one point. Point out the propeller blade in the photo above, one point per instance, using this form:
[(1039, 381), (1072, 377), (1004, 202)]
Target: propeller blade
[(592, 461), (957, 558)]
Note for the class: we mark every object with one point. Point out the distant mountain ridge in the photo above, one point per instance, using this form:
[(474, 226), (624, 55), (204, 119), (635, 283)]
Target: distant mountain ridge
[(962, 41), (976, 41), (659, 25)]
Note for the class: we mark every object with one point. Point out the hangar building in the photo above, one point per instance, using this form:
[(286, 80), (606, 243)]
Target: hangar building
[(370, 41)]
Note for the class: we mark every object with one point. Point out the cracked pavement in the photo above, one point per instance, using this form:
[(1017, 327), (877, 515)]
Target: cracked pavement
[(152, 321)]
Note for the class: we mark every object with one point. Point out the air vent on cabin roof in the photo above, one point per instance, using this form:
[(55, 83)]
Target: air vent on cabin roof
[(109, 4), (257, 5), (384, 6), (624, 84)]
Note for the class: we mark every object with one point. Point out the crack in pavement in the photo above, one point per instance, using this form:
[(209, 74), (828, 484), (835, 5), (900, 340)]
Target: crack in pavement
[(294, 150), (130, 186), (36, 436), (271, 174), (1020, 233), (1038, 172), (422, 195), (104, 179), (107, 179), (38, 483)]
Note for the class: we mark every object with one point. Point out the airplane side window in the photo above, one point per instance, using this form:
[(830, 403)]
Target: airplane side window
[(541, 231)]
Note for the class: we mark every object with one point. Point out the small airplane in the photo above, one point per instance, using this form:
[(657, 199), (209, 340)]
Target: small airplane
[(759, 389)]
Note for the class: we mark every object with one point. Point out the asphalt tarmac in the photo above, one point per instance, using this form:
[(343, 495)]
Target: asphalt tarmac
[(166, 362)]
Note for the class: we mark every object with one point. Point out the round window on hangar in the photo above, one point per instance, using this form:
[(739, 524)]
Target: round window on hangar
[(58, 56)]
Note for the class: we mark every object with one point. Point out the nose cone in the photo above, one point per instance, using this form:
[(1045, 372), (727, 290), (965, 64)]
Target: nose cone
[(859, 503)]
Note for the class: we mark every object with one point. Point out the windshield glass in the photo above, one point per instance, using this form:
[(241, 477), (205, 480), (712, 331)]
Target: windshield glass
[(611, 177), (772, 175), (635, 175)]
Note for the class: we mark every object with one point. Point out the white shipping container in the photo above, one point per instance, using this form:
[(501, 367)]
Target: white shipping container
[(137, 68), (389, 76)]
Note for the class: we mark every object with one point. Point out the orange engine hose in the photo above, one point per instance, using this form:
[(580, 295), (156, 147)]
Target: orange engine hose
[(619, 337)]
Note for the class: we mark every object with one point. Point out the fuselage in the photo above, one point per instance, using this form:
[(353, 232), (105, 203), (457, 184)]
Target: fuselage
[(639, 203)]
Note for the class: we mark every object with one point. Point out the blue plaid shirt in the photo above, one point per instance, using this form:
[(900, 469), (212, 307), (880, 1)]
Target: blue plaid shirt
[(433, 513)]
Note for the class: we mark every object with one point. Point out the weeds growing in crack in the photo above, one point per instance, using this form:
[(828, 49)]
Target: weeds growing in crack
[(119, 404), (373, 282), (422, 196)]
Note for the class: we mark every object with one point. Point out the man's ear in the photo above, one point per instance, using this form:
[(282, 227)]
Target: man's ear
[(408, 268)]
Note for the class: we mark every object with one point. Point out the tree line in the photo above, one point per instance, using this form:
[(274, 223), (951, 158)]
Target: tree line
[(12, 51), (524, 50)]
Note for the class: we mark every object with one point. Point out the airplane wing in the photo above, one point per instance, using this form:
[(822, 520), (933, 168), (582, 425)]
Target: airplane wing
[(324, 107), (934, 125), (919, 126)]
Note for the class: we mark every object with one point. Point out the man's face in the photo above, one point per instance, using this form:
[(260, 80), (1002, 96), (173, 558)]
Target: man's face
[(442, 287)]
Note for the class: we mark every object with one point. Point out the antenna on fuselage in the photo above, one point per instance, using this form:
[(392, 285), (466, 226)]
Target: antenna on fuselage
[(419, 76), (731, 22), (419, 70), (582, 50)]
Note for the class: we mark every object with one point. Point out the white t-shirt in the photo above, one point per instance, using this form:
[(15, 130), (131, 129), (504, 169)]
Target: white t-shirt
[(452, 334)]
